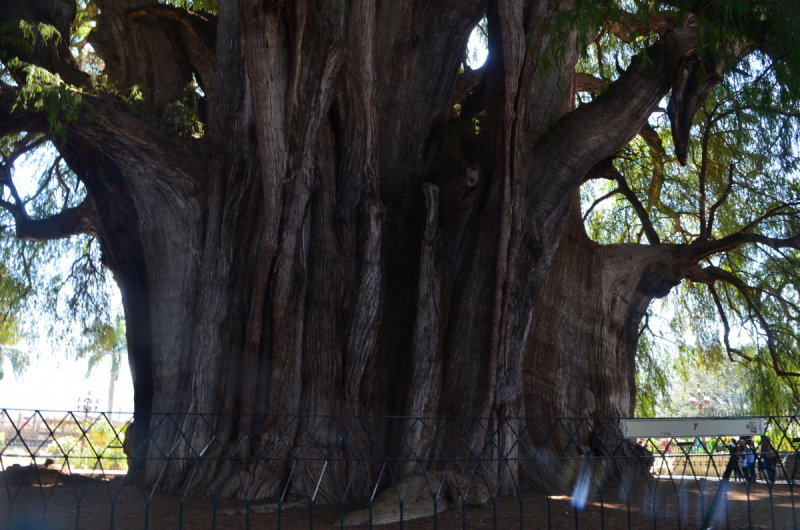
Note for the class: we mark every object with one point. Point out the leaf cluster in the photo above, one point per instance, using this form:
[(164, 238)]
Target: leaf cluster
[(101, 340), (60, 103), (23, 37), (181, 116)]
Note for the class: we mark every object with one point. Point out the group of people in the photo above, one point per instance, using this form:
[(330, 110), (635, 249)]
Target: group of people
[(746, 460)]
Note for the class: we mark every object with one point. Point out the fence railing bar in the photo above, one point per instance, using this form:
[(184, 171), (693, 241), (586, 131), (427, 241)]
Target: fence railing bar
[(316, 490)]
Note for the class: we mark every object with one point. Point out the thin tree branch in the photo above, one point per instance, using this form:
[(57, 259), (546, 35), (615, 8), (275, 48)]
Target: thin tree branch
[(724, 318), (483, 31), (647, 224), (709, 275), (606, 169), (19, 207), (645, 326), (722, 198), (702, 179), (45, 181), (62, 182), (771, 213), (26, 148), (598, 201)]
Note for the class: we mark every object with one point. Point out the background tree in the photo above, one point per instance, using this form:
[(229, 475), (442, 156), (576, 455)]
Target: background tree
[(312, 207)]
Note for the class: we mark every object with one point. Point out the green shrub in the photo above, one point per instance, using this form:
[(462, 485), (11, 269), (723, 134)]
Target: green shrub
[(99, 449)]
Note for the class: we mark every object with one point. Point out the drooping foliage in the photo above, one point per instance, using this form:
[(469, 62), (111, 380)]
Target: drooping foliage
[(739, 187), (48, 285)]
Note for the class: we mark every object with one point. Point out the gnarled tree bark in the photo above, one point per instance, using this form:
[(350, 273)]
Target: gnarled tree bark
[(323, 250)]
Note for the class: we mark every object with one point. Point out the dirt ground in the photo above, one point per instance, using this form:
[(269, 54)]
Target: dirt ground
[(119, 504)]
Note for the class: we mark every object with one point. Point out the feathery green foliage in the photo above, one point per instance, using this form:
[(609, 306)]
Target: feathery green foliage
[(62, 279), (741, 177)]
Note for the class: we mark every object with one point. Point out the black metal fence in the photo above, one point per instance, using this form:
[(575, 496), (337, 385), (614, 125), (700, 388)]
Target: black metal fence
[(89, 470)]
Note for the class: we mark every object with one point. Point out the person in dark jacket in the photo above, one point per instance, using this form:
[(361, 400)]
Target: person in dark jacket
[(734, 460), (769, 457)]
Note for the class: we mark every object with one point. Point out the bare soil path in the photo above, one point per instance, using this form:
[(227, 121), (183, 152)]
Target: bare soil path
[(657, 503)]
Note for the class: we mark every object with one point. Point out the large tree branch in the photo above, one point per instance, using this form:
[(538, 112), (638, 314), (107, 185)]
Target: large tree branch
[(702, 249), (81, 219), (116, 150), (198, 32), (589, 83), (158, 47), (597, 130), (693, 80)]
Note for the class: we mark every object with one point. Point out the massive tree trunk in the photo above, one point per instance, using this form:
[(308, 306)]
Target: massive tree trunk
[(592, 303), (327, 248), (579, 376), (593, 300)]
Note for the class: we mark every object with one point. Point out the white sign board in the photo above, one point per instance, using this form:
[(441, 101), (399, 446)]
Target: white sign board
[(690, 428)]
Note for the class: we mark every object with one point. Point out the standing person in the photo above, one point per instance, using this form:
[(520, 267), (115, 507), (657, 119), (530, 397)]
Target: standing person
[(749, 462), (769, 457), (734, 460)]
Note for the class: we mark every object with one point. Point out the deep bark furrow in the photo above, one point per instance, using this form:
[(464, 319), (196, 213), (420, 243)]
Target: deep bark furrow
[(268, 71), (424, 388), (361, 211), (502, 386), (292, 256), (364, 326)]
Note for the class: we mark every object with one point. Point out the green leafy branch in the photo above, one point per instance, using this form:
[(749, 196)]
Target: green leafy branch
[(60, 103), (181, 115), (23, 37)]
